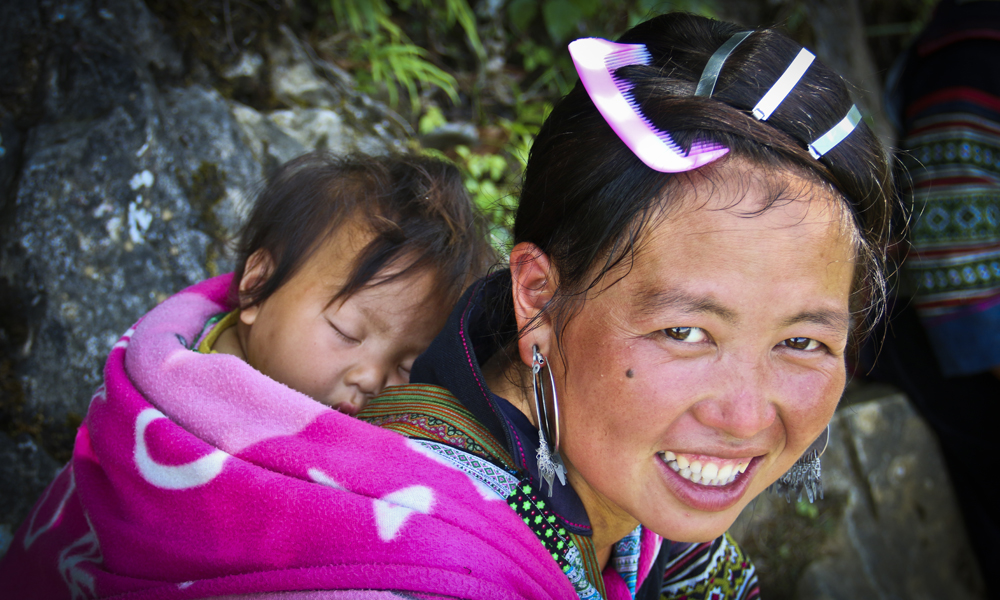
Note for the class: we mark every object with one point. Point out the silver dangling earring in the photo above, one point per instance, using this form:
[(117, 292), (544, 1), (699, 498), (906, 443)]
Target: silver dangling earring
[(550, 464), (804, 476)]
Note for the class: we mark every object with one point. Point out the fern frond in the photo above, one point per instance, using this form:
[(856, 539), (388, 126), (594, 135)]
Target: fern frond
[(405, 65), (459, 10)]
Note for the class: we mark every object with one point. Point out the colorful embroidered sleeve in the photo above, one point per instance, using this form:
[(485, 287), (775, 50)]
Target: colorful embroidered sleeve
[(714, 570), (950, 114), (955, 258)]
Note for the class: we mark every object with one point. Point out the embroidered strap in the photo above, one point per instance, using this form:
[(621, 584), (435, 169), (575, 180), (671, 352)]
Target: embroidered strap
[(433, 417), (716, 569), (625, 558), (573, 553), (431, 412), (498, 479), (588, 559)]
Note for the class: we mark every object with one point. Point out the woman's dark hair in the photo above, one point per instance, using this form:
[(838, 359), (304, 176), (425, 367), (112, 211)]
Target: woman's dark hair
[(416, 207), (586, 197)]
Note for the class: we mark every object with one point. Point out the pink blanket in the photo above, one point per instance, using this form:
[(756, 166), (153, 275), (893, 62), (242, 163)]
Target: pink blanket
[(195, 476)]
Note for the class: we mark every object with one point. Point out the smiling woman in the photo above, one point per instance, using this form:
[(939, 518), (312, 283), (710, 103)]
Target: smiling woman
[(734, 329), (702, 225)]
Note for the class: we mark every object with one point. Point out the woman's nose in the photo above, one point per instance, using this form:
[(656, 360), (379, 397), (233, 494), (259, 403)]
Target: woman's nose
[(743, 405)]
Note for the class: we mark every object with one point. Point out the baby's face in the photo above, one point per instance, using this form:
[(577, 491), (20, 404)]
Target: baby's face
[(342, 354)]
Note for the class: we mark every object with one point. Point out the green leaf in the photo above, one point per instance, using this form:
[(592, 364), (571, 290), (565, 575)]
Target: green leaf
[(404, 64), (535, 56), (521, 13), (588, 8), (806, 509), (458, 10), (361, 16), (561, 18), (497, 166), (431, 120), (489, 191)]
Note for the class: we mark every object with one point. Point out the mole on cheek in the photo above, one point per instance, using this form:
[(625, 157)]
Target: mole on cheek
[(630, 373)]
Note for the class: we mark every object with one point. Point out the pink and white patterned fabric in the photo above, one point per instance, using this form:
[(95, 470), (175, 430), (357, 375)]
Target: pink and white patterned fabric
[(195, 476)]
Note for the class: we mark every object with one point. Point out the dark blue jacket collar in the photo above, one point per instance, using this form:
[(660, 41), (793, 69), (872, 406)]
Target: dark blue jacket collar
[(477, 328)]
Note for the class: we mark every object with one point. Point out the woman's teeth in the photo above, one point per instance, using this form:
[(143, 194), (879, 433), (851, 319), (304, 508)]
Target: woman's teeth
[(705, 473)]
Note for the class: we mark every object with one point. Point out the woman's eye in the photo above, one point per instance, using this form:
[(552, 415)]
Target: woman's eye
[(802, 343), (690, 335)]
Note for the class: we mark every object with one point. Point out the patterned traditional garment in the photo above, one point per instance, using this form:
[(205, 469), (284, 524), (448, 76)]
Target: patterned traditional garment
[(440, 424), (952, 120), (732, 575)]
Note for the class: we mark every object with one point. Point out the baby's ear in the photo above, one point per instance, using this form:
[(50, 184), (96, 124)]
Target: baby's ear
[(256, 272)]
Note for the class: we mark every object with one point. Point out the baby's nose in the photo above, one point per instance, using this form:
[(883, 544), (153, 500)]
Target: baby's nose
[(368, 378)]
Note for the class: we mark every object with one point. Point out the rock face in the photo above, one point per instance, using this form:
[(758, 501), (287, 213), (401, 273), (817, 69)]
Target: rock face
[(888, 526), (123, 176)]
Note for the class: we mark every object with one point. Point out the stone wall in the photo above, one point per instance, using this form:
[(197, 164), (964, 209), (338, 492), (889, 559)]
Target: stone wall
[(124, 173), (888, 526)]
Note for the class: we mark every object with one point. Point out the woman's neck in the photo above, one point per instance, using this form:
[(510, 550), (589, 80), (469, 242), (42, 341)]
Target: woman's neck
[(608, 522)]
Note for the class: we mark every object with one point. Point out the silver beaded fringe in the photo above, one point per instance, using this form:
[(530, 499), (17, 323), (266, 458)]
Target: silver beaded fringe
[(804, 476)]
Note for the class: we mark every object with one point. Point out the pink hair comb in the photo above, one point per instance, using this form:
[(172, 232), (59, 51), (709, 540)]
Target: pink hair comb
[(596, 60)]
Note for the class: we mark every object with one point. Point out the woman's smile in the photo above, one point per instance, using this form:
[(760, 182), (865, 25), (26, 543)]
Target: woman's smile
[(706, 470), (703, 485)]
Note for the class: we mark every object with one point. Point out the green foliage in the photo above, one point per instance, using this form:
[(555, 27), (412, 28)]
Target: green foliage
[(561, 18), (492, 178), (806, 509), (394, 60), (546, 59), (406, 65), (369, 16), (431, 120), (524, 128), (522, 12), (529, 39), (485, 174)]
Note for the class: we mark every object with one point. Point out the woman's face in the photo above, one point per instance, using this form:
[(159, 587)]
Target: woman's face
[(697, 379)]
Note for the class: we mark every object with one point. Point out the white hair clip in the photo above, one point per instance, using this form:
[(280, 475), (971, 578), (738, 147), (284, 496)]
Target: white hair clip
[(783, 86), (836, 134)]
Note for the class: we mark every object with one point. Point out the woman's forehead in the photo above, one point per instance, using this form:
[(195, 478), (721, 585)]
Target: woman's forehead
[(736, 213), (723, 230), (746, 187), (712, 197)]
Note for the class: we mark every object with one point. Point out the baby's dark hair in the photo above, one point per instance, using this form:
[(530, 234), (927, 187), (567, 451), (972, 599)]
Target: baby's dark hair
[(416, 207)]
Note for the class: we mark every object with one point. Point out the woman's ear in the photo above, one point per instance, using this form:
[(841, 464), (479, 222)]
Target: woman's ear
[(534, 282), (256, 272)]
